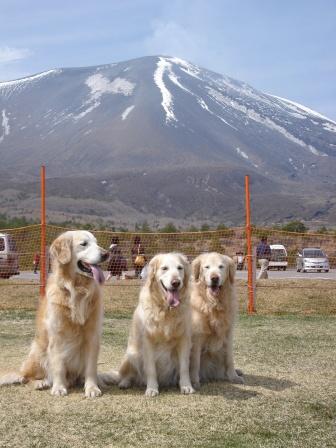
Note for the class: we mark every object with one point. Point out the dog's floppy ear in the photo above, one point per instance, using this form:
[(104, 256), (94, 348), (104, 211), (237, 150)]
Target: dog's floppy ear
[(152, 267), (196, 268), (232, 270), (61, 249), (186, 266)]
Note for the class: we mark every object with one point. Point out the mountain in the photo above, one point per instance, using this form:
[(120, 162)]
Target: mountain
[(158, 138)]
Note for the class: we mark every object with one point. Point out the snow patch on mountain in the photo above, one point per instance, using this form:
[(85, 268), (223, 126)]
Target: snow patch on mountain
[(290, 160), (300, 108), (105, 66), (100, 85), (242, 153), (266, 121), (329, 127), (165, 67), (240, 88), (174, 79), (203, 104), (5, 125), (86, 111), (186, 67), (7, 88), (126, 112), (167, 99), (28, 79)]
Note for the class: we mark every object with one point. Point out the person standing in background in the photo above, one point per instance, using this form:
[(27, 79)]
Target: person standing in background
[(36, 262), (116, 262), (263, 257), (138, 256)]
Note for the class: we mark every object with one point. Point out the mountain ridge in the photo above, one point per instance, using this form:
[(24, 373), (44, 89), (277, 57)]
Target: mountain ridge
[(163, 113)]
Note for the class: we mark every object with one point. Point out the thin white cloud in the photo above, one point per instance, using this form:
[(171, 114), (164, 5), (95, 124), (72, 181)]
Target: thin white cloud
[(10, 54), (171, 39)]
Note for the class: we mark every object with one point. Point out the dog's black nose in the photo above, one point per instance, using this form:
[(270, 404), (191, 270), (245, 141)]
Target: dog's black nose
[(104, 256), (214, 280), (175, 284)]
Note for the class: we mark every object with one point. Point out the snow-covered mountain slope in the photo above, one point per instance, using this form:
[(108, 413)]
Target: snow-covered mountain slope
[(161, 113)]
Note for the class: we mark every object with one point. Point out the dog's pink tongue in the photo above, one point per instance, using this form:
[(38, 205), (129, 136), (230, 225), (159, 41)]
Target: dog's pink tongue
[(173, 298), (98, 274), (215, 290)]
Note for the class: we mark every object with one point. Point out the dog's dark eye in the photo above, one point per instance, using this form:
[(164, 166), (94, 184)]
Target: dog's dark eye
[(84, 243), (180, 268), (206, 267), (220, 266), (164, 268)]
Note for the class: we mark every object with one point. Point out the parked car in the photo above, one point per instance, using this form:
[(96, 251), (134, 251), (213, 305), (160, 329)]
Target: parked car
[(279, 258), (9, 259), (312, 259)]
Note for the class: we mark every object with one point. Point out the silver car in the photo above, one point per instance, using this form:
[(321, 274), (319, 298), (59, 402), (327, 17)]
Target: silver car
[(312, 259), (9, 259)]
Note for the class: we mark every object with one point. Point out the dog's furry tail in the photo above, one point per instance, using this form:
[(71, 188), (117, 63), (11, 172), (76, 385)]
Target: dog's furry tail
[(108, 378), (12, 378)]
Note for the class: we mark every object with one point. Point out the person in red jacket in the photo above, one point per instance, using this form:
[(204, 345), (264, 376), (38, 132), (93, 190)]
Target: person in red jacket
[(36, 262)]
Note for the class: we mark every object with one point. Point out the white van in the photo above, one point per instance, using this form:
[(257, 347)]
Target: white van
[(279, 258), (9, 259)]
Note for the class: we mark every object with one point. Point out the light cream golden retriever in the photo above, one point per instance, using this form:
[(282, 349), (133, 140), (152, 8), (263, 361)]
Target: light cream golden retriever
[(69, 319), (213, 304), (158, 350)]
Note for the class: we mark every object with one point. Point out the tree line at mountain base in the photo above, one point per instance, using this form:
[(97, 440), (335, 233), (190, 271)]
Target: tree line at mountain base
[(7, 222)]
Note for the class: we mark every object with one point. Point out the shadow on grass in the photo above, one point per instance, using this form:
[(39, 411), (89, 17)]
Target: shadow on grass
[(227, 390), (238, 392), (224, 389), (268, 382)]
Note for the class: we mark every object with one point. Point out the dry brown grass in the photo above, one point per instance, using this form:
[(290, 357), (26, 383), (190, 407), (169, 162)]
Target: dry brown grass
[(293, 297), (289, 399), (273, 296)]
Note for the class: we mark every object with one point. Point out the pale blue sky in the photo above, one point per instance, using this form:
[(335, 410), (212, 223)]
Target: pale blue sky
[(283, 47)]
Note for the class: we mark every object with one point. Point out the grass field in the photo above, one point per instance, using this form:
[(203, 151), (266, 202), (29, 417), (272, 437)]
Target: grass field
[(287, 353)]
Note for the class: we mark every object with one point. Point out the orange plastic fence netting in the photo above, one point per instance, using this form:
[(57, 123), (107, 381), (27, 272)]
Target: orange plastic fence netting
[(20, 249), (293, 247)]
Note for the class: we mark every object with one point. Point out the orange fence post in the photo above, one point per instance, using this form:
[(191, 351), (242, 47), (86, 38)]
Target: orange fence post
[(251, 303), (43, 270)]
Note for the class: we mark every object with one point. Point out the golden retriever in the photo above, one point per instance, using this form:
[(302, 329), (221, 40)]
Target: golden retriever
[(69, 319), (213, 307), (158, 350)]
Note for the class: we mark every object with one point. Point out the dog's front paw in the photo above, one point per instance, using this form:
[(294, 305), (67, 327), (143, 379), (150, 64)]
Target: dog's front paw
[(125, 383), (195, 381), (92, 391), (187, 389), (196, 384), (59, 390), (151, 392), (236, 379), (42, 384)]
